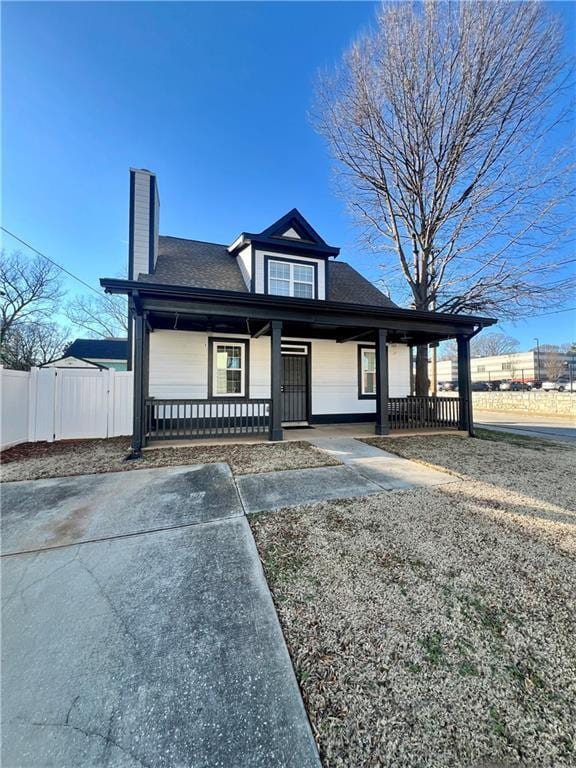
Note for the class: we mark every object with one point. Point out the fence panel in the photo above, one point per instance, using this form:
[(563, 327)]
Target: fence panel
[(15, 407), (120, 414), (64, 403)]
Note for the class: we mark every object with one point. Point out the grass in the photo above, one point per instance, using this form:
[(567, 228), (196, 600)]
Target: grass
[(32, 461), (435, 626)]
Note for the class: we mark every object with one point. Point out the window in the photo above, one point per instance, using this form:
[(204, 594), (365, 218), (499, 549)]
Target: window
[(367, 372), (228, 368), (481, 369), (286, 278), (506, 366)]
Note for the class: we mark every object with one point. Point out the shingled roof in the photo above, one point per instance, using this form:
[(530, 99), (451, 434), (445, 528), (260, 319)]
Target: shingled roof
[(98, 349), (197, 264)]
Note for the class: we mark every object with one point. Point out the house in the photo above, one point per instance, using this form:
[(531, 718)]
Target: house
[(94, 353), (269, 331)]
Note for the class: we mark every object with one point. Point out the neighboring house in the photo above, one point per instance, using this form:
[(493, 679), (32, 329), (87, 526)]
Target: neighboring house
[(94, 353), (269, 331)]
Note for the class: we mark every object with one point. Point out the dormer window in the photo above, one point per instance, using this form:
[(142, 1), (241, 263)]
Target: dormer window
[(289, 278)]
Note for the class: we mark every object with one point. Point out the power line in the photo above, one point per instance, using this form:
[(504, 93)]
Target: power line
[(556, 312), (79, 279)]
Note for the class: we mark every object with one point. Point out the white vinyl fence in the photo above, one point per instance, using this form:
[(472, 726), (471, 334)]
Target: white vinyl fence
[(64, 403)]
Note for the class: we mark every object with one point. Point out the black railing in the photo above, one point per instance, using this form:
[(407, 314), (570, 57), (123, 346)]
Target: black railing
[(424, 412), (191, 419)]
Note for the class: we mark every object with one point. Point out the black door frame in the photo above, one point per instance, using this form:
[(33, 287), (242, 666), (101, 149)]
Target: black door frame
[(308, 344)]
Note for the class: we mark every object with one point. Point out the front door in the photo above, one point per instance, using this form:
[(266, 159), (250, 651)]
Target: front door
[(294, 388)]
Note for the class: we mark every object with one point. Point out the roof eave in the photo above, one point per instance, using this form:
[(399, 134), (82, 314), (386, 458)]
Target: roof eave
[(130, 287)]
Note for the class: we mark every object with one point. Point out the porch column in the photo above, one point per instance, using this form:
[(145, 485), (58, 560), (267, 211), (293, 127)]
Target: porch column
[(276, 380), (464, 390), (382, 422), (139, 385)]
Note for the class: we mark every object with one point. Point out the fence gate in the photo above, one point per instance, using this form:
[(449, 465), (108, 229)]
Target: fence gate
[(81, 403)]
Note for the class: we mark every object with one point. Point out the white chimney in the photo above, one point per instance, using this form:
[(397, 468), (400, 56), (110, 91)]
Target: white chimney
[(144, 217)]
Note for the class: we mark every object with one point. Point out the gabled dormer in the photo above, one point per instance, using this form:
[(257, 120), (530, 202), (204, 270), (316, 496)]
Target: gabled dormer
[(288, 258)]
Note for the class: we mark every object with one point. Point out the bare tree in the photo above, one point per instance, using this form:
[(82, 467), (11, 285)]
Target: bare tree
[(30, 289), (492, 344), (33, 343), (440, 120), (487, 345), (103, 315)]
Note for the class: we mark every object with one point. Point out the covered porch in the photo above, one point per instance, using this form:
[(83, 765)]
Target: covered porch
[(288, 324)]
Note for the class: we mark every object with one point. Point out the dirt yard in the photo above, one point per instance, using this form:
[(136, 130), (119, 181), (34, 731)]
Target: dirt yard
[(435, 627), (32, 461)]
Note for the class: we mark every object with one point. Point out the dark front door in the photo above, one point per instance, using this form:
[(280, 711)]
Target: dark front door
[(294, 388)]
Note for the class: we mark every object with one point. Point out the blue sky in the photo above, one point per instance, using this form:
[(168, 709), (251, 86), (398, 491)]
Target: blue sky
[(213, 97)]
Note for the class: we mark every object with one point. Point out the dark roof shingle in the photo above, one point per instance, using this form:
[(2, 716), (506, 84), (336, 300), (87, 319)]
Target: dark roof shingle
[(98, 349), (197, 264)]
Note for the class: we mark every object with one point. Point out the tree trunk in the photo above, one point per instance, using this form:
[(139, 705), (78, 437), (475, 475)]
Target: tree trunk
[(421, 380)]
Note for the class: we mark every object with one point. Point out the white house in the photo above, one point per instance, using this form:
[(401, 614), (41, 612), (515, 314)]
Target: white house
[(268, 331)]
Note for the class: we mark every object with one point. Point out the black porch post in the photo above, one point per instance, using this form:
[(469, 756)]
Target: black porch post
[(382, 422), (464, 390), (276, 380), (139, 385)]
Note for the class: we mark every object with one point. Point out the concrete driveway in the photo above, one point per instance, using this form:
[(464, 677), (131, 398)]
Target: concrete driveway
[(138, 629)]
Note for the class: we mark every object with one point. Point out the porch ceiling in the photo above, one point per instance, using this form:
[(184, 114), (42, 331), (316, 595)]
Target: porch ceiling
[(297, 329)]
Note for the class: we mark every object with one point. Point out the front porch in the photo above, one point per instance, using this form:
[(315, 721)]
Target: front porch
[(212, 421), (354, 367)]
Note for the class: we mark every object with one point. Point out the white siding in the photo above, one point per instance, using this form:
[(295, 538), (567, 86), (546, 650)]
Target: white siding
[(259, 267), (178, 364), (179, 368), (399, 370), (141, 222), (245, 263)]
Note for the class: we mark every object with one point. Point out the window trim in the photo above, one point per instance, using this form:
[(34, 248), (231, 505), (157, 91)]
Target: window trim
[(296, 262), (231, 340), (361, 394)]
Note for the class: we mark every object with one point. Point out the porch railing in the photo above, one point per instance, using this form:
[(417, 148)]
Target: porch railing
[(424, 412), (190, 419)]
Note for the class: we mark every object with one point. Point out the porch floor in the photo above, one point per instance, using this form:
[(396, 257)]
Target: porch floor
[(359, 430)]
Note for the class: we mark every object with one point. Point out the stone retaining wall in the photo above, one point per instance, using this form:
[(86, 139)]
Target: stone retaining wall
[(544, 403)]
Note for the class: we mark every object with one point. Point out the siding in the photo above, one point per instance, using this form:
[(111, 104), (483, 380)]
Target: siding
[(245, 263), (179, 368), (141, 222), (178, 364), (259, 266)]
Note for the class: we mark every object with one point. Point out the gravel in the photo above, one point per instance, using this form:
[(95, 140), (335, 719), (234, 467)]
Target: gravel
[(31, 461), (435, 627)]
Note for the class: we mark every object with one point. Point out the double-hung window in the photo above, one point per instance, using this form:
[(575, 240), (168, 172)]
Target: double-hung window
[(367, 372), (287, 278), (228, 369)]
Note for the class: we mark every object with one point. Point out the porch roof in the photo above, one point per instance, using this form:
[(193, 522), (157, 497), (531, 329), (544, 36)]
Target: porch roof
[(188, 308)]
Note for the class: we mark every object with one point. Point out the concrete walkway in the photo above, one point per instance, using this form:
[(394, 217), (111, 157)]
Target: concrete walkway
[(386, 470), (153, 643), (366, 470)]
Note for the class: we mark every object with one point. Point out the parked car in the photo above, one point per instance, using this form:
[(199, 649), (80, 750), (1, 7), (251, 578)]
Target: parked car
[(563, 384), (448, 386), (480, 386), (493, 386), (514, 386)]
